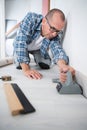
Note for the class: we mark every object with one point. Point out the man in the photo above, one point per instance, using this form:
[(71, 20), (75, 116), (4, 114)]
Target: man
[(38, 34)]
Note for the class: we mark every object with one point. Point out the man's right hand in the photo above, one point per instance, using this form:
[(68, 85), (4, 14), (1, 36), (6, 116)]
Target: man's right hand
[(30, 73), (63, 68)]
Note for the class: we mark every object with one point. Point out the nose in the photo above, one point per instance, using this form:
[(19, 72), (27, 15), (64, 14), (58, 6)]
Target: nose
[(54, 34)]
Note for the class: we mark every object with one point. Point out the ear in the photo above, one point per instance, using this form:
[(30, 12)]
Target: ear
[(44, 21)]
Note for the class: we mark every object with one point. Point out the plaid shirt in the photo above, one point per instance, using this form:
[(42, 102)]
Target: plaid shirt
[(30, 28)]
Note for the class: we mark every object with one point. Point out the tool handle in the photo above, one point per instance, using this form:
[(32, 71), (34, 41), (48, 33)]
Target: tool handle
[(69, 79), (6, 78)]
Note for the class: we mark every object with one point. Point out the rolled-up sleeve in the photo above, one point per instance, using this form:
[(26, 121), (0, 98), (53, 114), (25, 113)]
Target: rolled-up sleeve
[(20, 46), (57, 51), (20, 50)]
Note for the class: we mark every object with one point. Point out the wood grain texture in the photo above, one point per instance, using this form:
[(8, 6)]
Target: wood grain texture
[(13, 101)]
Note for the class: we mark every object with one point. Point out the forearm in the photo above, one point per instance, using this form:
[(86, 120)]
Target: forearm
[(25, 67), (63, 67), (61, 62)]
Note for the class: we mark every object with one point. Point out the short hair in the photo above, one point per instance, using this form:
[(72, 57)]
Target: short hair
[(50, 14)]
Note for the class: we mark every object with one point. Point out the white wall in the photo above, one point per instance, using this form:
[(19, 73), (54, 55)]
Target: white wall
[(17, 9), (2, 28), (75, 41)]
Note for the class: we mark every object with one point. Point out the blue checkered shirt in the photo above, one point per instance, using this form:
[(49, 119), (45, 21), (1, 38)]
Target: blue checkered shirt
[(30, 28)]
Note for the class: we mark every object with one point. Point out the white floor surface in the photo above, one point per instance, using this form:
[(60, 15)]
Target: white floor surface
[(53, 111)]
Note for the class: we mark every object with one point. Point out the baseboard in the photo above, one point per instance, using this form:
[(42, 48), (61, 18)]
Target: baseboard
[(82, 81)]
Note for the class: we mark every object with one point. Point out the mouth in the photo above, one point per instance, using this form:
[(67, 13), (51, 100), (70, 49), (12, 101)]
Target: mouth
[(49, 35)]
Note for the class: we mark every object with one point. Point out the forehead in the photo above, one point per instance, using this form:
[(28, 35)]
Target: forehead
[(57, 22)]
